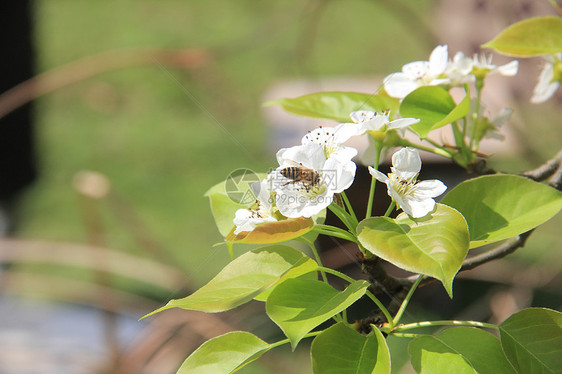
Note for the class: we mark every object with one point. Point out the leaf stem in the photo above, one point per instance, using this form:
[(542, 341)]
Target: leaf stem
[(368, 293), (318, 259), (378, 150), (335, 232), (400, 312), (437, 150), (343, 216), (349, 207), (410, 326), (406, 335), (390, 208), (285, 341)]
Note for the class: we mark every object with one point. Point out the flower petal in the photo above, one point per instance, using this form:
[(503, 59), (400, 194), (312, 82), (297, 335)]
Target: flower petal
[(406, 162), (399, 85), (418, 208), (378, 175), (545, 88), (402, 123), (438, 60), (428, 189), (509, 69)]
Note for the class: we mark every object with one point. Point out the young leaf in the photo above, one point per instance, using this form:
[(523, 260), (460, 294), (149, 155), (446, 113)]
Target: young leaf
[(336, 105), (340, 349), (459, 350), (297, 306), (435, 245), (274, 232), (243, 279), (432, 105), (224, 205), (224, 354), (531, 37), (497, 207), (532, 340)]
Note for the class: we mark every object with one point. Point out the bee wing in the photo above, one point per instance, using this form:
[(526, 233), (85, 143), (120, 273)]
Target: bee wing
[(294, 163)]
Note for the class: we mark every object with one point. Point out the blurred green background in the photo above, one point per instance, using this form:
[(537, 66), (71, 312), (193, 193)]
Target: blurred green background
[(160, 148), (158, 131)]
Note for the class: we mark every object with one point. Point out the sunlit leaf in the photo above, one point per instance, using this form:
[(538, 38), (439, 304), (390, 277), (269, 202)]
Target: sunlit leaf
[(336, 105), (434, 245), (340, 349), (459, 350), (532, 340), (298, 306), (433, 106), (243, 279), (497, 207), (531, 37), (274, 232), (230, 195), (224, 354)]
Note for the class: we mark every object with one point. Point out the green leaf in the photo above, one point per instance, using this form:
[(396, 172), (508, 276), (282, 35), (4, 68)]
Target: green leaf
[(224, 204), (297, 306), (497, 207), (340, 349), (531, 37), (432, 105), (459, 112), (225, 354), (435, 245), (532, 340), (243, 279), (459, 350), (336, 105)]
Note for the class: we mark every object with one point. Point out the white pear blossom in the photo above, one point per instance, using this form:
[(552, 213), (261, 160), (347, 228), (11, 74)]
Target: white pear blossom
[(419, 73), (331, 138), (415, 198), (459, 70), (306, 180), (247, 220), (373, 121), (549, 79), (463, 69), (482, 66)]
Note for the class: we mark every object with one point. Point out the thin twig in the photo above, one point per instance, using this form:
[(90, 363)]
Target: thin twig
[(546, 170)]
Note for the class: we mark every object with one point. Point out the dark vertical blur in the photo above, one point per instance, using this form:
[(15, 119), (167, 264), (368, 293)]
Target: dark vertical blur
[(17, 161)]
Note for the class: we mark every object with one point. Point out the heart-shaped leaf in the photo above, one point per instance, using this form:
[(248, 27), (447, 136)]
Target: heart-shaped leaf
[(435, 245), (243, 279), (297, 306), (532, 340), (498, 207), (225, 354), (340, 349), (531, 37), (431, 104), (459, 350), (336, 105)]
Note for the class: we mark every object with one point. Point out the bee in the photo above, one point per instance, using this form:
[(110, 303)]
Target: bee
[(299, 173)]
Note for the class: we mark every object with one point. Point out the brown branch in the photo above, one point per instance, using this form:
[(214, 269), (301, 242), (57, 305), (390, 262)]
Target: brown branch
[(546, 170)]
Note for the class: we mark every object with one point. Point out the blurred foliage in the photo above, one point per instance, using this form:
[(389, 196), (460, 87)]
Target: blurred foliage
[(160, 149)]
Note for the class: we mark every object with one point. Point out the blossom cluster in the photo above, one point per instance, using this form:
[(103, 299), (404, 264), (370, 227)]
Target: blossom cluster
[(311, 174)]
